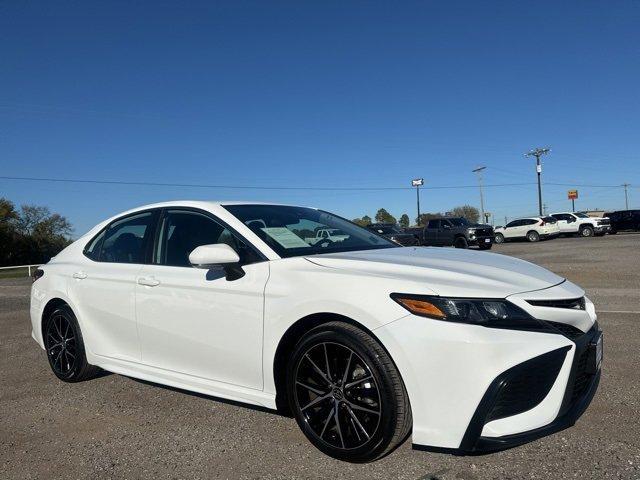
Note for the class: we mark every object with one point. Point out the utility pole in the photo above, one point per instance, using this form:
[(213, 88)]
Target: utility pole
[(479, 171), (417, 182), (538, 152), (626, 196)]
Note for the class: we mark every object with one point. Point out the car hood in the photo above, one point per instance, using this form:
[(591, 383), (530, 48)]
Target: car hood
[(444, 271)]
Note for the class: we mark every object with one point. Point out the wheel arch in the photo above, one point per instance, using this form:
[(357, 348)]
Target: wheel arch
[(288, 341), (49, 308)]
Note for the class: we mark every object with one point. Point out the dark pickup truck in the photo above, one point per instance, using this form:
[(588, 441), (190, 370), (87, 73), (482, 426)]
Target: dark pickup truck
[(454, 231), (394, 233)]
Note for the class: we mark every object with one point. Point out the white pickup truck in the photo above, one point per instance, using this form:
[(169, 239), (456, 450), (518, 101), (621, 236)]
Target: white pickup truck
[(581, 224), (331, 234)]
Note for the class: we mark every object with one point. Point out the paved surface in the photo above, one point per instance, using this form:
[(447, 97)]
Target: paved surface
[(117, 427)]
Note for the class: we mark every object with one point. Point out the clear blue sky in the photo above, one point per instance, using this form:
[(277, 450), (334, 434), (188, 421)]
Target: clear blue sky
[(319, 94)]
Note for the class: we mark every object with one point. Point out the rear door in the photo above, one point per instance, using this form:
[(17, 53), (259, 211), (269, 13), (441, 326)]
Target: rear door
[(103, 286), (431, 232), (445, 232)]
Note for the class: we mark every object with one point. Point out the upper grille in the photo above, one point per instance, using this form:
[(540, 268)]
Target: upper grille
[(484, 232), (565, 329), (574, 303), (604, 221)]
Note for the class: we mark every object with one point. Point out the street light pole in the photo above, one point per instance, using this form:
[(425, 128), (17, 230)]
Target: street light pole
[(479, 172), (417, 182), (626, 197), (538, 152)]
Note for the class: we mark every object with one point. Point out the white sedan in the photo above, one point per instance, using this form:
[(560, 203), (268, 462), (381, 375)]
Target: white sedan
[(362, 341)]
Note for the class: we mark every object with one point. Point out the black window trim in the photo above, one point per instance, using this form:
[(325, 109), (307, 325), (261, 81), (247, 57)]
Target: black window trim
[(211, 216), (153, 225)]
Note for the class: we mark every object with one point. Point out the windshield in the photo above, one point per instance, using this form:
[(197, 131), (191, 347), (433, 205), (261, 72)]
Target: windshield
[(581, 215), (296, 231), (459, 222)]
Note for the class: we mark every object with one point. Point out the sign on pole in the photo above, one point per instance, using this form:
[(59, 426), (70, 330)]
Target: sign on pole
[(572, 194), (418, 182)]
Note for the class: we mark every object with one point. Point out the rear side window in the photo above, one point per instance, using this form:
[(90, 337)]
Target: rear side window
[(92, 250), (433, 224), (125, 240)]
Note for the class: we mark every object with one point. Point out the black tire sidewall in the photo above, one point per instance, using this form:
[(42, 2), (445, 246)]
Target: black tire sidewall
[(385, 431), (81, 359), (460, 242)]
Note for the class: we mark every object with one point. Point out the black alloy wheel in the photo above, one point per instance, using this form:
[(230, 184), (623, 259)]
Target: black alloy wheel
[(65, 348), (346, 394)]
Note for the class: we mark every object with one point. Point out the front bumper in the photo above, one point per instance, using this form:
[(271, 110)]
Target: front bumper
[(481, 240), (456, 376), (602, 229)]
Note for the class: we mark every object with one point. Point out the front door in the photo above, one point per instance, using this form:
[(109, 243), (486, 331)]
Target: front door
[(195, 321)]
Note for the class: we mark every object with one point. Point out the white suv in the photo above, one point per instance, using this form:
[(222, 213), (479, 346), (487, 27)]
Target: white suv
[(581, 224), (533, 229)]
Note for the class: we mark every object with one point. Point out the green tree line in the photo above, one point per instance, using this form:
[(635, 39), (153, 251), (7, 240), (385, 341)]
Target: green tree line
[(30, 234), (383, 216)]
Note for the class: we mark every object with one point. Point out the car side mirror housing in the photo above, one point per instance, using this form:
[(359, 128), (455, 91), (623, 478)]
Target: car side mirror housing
[(219, 254)]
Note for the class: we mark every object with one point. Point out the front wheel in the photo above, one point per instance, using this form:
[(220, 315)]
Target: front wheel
[(346, 394), (65, 348), (461, 242), (499, 238), (586, 231)]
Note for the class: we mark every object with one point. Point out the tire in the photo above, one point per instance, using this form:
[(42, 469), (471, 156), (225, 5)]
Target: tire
[(65, 347), (499, 238), (485, 246), (586, 231), (461, 242), (322, 401), (533, 236)]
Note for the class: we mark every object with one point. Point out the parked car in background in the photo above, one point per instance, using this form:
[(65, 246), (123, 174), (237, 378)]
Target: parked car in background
[(531, 229), (328, 235), (394, 233), (581, 224), (454, 231), (624, 220)]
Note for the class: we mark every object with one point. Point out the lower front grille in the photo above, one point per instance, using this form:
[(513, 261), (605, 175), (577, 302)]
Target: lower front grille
[(527, 385)]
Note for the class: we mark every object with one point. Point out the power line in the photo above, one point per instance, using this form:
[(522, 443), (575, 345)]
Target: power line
[(241, 187)]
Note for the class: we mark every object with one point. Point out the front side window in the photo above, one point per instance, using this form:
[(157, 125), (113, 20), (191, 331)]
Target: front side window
[(125, 240), (92, 250), (515, 223), (291, 231), (433, 224), (581, 215), (459, 222), (183, 230)]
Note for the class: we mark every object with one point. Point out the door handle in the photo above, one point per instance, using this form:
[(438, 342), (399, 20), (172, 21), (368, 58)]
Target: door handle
[(79, 275), (148, 282)]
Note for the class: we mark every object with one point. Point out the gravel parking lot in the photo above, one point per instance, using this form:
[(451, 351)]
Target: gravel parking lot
[(118, 427)]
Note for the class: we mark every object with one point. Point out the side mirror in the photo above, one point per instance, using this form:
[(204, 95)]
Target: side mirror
[(445, 226), (219, 254)]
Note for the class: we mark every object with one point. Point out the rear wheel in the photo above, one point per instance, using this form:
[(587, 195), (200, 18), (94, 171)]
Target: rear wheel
[(461, 242), (499, 238), (586, 231), (533, 236), (65, 348), (346, 394)]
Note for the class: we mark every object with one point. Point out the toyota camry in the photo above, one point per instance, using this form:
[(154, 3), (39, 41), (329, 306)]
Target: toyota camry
[(363, 341)]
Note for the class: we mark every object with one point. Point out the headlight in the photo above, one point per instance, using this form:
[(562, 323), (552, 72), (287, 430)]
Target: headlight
[(488, 312)]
